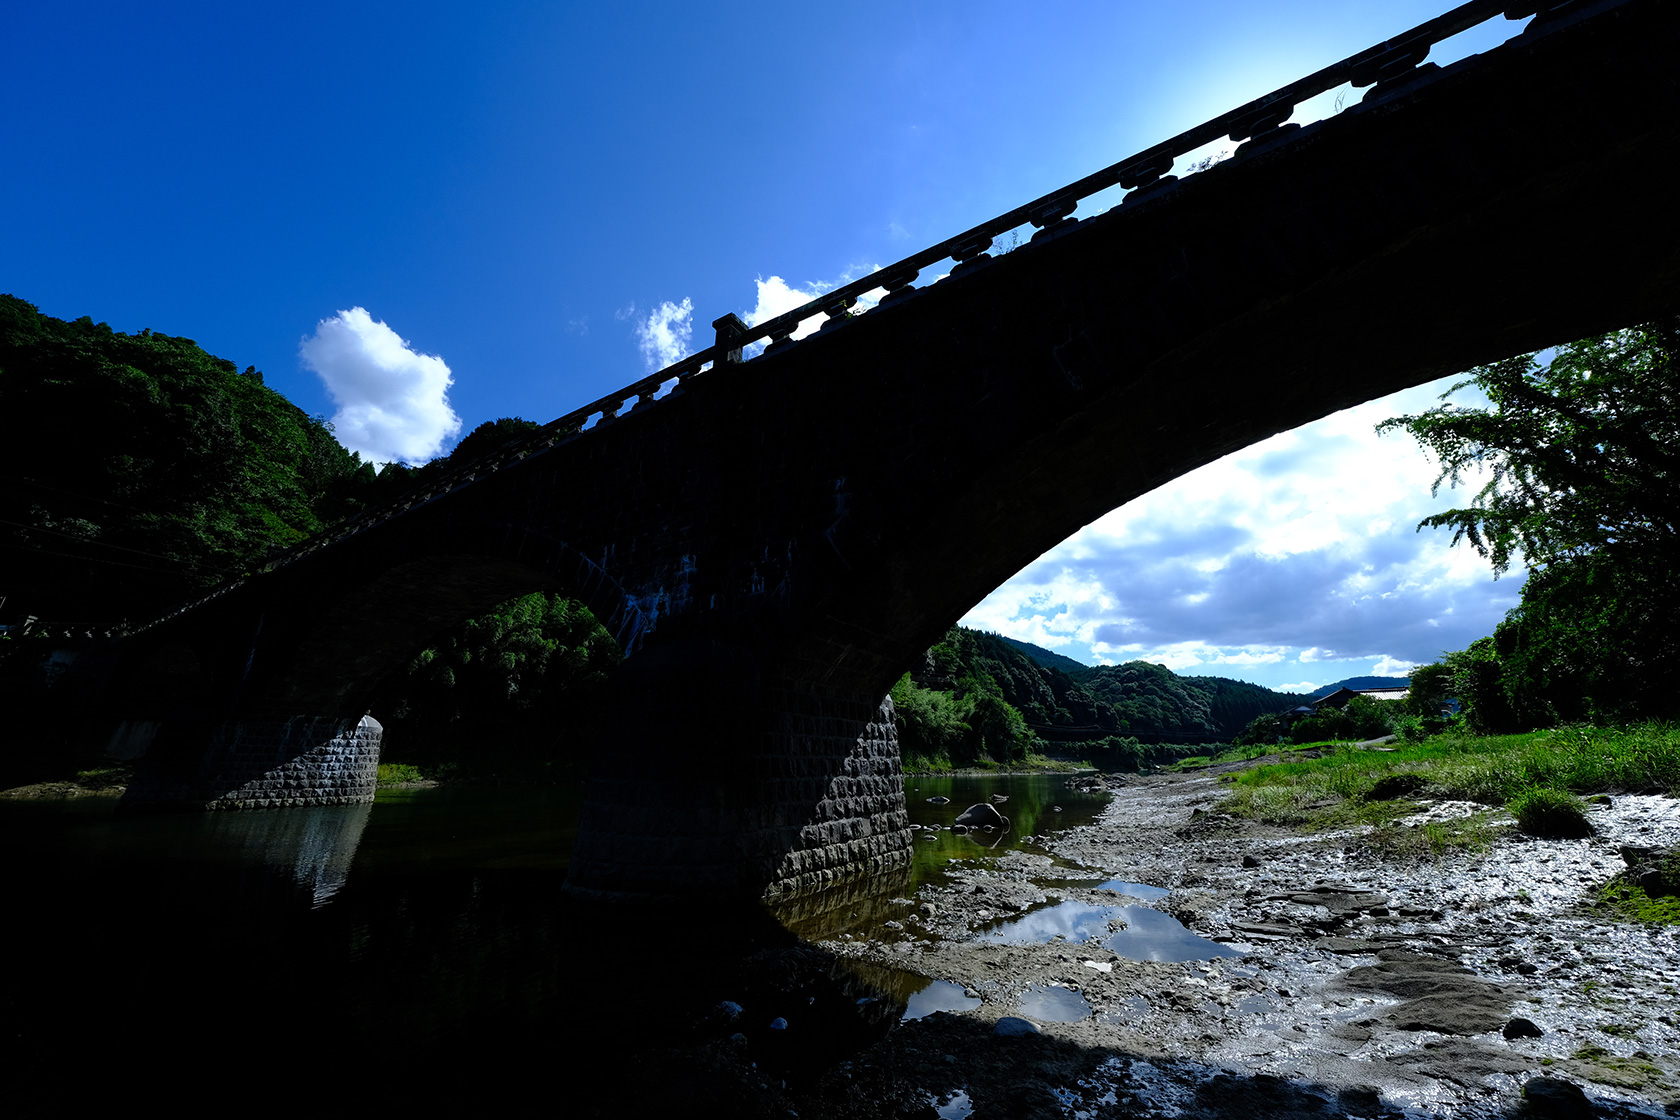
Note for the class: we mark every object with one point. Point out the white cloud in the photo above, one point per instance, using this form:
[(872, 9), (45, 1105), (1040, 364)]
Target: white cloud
[(393, 403), (665, 335), (777, 297), (1300, 549)]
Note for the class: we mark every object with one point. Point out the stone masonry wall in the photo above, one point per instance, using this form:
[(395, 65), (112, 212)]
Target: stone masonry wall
[(270, 764), (859, 825), (818, 800)]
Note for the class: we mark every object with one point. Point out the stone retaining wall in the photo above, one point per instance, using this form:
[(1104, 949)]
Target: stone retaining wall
[(859, 826), (267, 764)]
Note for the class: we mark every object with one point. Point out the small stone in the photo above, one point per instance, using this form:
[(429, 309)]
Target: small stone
[(1251, 861), (730, 1010), (1522, 1028), (1012, 1027), (778, 1024)]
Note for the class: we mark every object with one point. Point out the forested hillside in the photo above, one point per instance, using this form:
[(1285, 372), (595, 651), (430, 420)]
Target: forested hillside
[(138, 469), (1105, 710)]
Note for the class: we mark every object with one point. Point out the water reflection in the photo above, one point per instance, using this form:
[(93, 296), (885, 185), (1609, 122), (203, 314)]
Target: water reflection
[(1136, 890), (1075, 921), (1149, 935), (1031, 804), (939, 995), (1153, 936), (312, 848), (860, 906), (1051, 1003)]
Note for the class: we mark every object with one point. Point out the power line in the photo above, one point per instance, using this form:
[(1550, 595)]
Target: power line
[(102, 544)]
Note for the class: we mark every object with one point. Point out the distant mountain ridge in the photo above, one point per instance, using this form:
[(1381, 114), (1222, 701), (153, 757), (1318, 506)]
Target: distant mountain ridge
[(1061, 697), (1047, 658), (1064, 700), (1358, 683)]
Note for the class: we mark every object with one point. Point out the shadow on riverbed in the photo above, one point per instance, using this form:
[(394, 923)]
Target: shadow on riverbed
[(145, 988)]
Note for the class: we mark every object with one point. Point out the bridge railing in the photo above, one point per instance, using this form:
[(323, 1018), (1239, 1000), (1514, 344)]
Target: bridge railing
[(1387, 65)]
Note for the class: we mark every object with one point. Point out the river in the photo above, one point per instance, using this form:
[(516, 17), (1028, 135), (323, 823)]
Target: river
[(417, 948)]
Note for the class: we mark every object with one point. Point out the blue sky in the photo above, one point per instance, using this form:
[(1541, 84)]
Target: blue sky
[(418, 217)]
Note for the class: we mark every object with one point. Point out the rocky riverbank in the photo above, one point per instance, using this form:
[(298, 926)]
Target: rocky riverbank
[(1318, 977)]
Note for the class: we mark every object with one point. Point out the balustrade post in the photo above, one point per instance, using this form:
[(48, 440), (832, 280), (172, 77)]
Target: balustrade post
[(730, 333)]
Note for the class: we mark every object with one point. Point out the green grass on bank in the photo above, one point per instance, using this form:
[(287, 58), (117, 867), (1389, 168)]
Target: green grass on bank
[(399, 773), (1538, 776)]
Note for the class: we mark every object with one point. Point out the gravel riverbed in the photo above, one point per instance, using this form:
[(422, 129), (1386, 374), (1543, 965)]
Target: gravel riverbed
[(1317, 977)]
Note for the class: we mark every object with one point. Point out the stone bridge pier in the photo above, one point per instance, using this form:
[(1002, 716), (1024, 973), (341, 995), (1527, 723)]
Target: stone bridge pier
[(715, 781), (254, 762)]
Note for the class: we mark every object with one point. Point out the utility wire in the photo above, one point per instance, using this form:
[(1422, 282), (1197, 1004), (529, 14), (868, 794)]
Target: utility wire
[(102, 544), (92, 559)]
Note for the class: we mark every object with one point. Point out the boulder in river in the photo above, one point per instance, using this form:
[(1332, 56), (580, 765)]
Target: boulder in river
[(982, 815), (1555, 1099)]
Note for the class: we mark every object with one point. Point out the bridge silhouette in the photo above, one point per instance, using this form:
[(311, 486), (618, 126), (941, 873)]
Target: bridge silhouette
[(773, 541)]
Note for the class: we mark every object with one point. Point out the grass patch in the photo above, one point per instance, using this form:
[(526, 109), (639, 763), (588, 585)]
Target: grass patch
[(1638, 895), (1539, 772), (1554, 814), (1434, 839), (104, 777), (399, 773)]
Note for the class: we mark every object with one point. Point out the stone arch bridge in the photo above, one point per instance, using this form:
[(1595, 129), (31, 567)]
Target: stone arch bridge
[(773, 541)]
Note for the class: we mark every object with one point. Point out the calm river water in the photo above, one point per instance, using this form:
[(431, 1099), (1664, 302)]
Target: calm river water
[(415, 949)]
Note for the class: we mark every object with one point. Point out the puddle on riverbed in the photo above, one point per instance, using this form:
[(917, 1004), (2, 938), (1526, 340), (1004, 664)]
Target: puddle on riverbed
[(1136, 890), (1049, 1003), (939, 995), (956, 1107), (1153, 936), (1076, 921), (1149, 935)]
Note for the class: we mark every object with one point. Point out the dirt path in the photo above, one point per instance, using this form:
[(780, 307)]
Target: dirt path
[(1352, 986)]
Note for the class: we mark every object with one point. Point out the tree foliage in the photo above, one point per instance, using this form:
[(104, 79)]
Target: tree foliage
[(500, 691), (1580, 451), (1581, 455), (138, 469)]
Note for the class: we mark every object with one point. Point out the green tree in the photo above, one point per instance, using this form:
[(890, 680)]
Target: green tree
[(504, 694), (1580, 454), (138, 469)]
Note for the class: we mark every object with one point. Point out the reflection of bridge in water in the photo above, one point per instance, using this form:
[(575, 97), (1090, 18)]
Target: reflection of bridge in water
[(773, 541)]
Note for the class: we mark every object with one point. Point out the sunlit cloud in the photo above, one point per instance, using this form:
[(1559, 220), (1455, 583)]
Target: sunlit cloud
[(393, 403), (1300, 550), (777, 297), (664, 336)]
